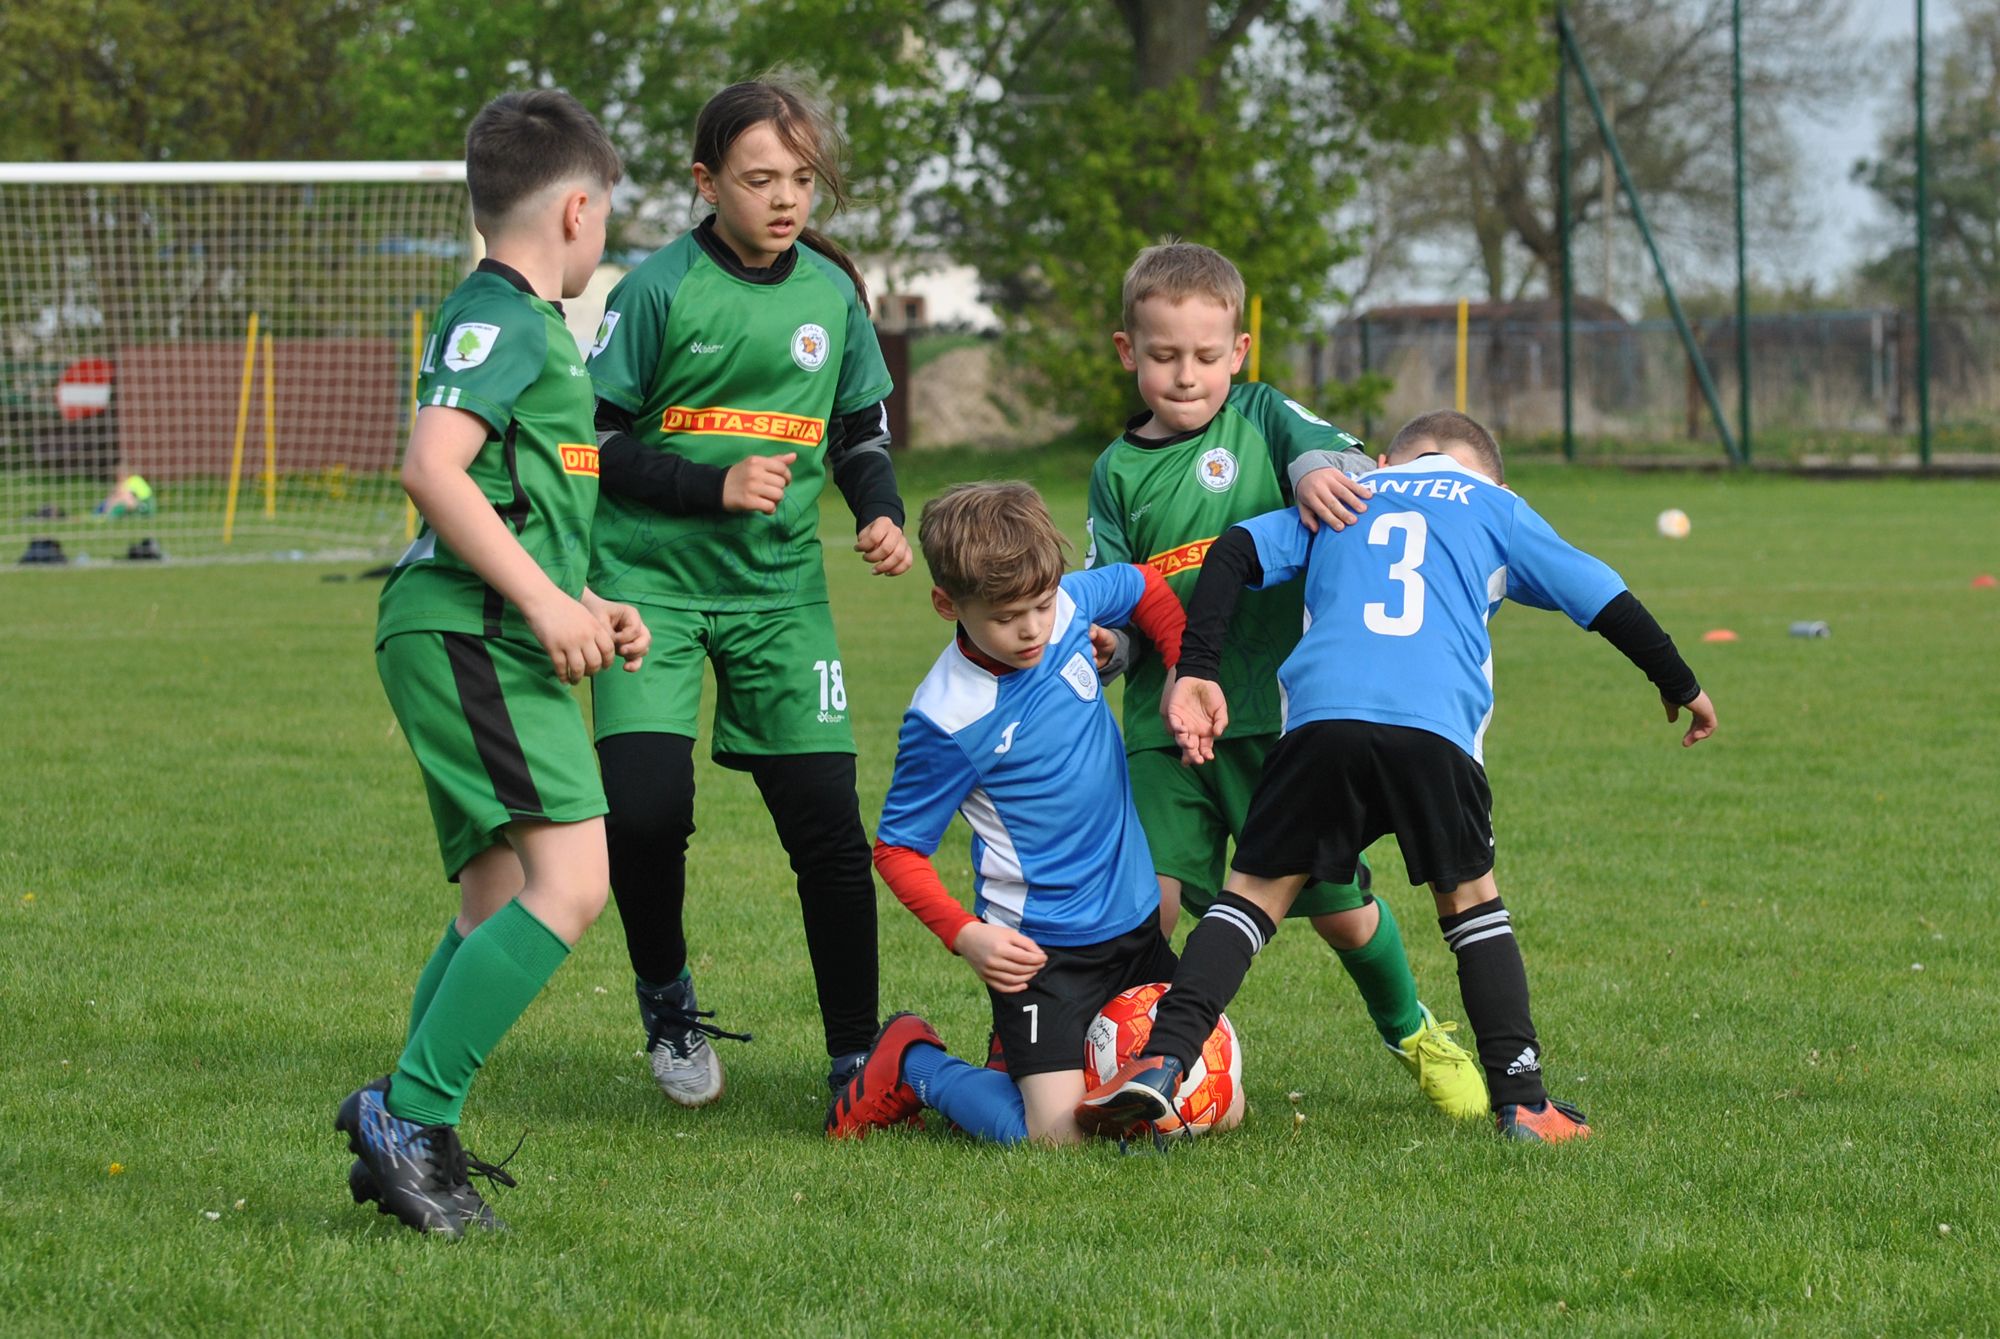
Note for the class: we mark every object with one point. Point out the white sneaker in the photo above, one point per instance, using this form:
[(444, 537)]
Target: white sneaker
[(677, 1031)]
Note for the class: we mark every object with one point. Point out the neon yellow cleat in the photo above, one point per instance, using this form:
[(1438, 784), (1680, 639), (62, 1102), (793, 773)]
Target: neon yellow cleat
[(1447, 1074)]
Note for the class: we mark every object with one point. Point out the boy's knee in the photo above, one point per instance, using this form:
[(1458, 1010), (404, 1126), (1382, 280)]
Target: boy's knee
[(1349, 929)]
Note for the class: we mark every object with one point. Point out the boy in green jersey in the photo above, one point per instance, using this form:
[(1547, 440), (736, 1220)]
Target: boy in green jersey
[(1204, 456), (484, 624)]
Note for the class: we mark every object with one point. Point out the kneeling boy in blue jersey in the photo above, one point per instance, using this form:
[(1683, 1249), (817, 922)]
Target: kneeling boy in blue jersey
[(1408, 592), (1010, 729)]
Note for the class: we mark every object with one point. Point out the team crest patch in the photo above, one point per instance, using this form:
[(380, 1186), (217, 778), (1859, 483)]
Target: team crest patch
[(1216, 469), (467, 345), (809, 346), (604, 329), (1081, 675), (1307, 414)]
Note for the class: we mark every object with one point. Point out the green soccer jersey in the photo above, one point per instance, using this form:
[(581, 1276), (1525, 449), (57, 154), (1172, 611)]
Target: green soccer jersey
[(715, 363), (504, 355), (1163, 501)]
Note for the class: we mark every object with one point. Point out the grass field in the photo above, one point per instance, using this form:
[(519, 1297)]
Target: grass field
[(1764, 967)]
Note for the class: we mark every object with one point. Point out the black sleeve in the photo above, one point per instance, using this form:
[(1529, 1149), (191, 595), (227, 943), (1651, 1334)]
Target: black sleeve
[(1626, 625), (1231, 565), (857, 456), (660, 479)]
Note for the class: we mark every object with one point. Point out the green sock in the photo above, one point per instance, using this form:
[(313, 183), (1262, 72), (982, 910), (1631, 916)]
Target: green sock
[(427, 980), (492, 979), (1381, 971)]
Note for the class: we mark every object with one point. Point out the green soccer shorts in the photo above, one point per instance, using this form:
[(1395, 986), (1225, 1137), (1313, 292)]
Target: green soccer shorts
[(498, 737), (1190, 813), (779, 688)]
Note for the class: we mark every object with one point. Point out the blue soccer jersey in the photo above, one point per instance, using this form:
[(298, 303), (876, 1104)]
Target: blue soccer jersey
[(1397, 605), (1034, 761)]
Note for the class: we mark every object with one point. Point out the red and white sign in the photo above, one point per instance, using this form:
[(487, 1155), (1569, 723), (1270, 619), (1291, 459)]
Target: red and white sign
[(84, 389)]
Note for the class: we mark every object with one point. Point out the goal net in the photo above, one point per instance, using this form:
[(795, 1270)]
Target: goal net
[(202, 361)]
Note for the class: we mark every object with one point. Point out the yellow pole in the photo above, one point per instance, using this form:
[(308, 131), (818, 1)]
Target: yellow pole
[(416, 366), (1256, 332), (270, 434), (1463, 310), (242, 426)]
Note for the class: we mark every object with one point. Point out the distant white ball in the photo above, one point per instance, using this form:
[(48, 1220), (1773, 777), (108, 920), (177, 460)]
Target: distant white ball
[(1674, 523)]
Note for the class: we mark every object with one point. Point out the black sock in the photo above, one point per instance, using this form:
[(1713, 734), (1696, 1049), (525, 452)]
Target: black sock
[(649, 785), (1213, 965), (1493, 982), (811, 798)]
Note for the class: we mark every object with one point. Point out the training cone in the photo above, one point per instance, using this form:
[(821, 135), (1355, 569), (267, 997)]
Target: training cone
[(1985, 581), (1719, 635)]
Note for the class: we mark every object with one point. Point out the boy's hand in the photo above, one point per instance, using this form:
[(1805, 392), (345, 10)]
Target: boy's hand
[(881, 544), (1701, 719), (629, 634), (1005, 959), (757, 483), (578, 641), (1103, 646), (1196, 715), (1330, 496)]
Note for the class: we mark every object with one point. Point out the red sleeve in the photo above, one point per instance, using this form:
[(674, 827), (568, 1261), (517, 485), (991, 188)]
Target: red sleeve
[(1159, 615), (916, 884)]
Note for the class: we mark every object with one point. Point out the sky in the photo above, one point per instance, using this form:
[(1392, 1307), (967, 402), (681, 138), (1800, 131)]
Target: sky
[(1847, 211)]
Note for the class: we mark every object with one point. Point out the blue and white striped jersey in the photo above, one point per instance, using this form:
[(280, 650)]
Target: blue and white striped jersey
[(1034, 761), (1397, 605)]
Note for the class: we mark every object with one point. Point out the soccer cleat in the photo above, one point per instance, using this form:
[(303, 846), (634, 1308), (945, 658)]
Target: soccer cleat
[(996, 1054), (1140, 1093), (421, 1173), (1447, 1074), (844, 1067), (1548, 1122), (877, 1095), (677, 1032), (361, 1181)]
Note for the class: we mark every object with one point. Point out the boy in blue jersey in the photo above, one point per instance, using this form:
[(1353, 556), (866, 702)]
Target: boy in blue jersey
[(1408, 592), (1010, 729)]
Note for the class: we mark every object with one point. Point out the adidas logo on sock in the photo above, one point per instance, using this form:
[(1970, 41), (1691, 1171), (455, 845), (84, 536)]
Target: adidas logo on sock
[(1526, 1062)]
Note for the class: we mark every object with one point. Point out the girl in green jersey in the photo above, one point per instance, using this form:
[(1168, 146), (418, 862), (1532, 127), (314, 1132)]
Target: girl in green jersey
[(736, 372)]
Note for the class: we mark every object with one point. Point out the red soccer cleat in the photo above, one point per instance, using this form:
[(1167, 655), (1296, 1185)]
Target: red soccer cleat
[(1141, 1092), (877, 1096), (1550, 1123)]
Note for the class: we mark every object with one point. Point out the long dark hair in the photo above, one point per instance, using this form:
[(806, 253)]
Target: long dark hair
[(802, 125)]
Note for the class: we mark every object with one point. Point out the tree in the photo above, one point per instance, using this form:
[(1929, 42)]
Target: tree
[(1963, 152), (1080, 133), (149, 80), (1663, 68)]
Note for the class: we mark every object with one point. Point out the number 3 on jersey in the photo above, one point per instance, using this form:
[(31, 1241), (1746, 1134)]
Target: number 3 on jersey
[(1403, 570), (832, 688)]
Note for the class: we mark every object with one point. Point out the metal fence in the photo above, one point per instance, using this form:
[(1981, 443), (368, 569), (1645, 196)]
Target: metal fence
[(1839, 382)]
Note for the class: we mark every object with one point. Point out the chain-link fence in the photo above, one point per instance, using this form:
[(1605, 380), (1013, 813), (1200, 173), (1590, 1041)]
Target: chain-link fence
[(1839, 383)]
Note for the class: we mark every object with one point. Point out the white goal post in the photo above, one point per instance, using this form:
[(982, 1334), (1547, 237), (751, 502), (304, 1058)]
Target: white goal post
[(209, 360)]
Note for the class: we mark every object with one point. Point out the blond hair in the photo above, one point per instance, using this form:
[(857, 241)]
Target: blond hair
[(1447, 427), (994, 542), (1178, 271)]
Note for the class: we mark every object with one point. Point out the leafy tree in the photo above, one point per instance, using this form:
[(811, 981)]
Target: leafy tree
[(148, 80), (1080, 133), (1963, 152)]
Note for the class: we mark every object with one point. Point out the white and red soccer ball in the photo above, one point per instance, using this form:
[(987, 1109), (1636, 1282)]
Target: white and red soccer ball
[(1211, 1095)]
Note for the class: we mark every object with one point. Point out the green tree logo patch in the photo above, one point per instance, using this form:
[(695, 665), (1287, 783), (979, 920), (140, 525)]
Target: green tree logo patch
[(468, 344)]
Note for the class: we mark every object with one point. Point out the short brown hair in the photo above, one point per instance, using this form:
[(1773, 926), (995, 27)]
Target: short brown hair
[(520, 143), (991, 541), (1178, 271), (1448, 427)]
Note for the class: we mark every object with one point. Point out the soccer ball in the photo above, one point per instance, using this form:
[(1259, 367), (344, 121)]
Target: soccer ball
[(1211, 1095), (1674, 523)]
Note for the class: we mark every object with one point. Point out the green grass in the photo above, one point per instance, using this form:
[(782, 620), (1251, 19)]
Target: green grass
[(217, 884)]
